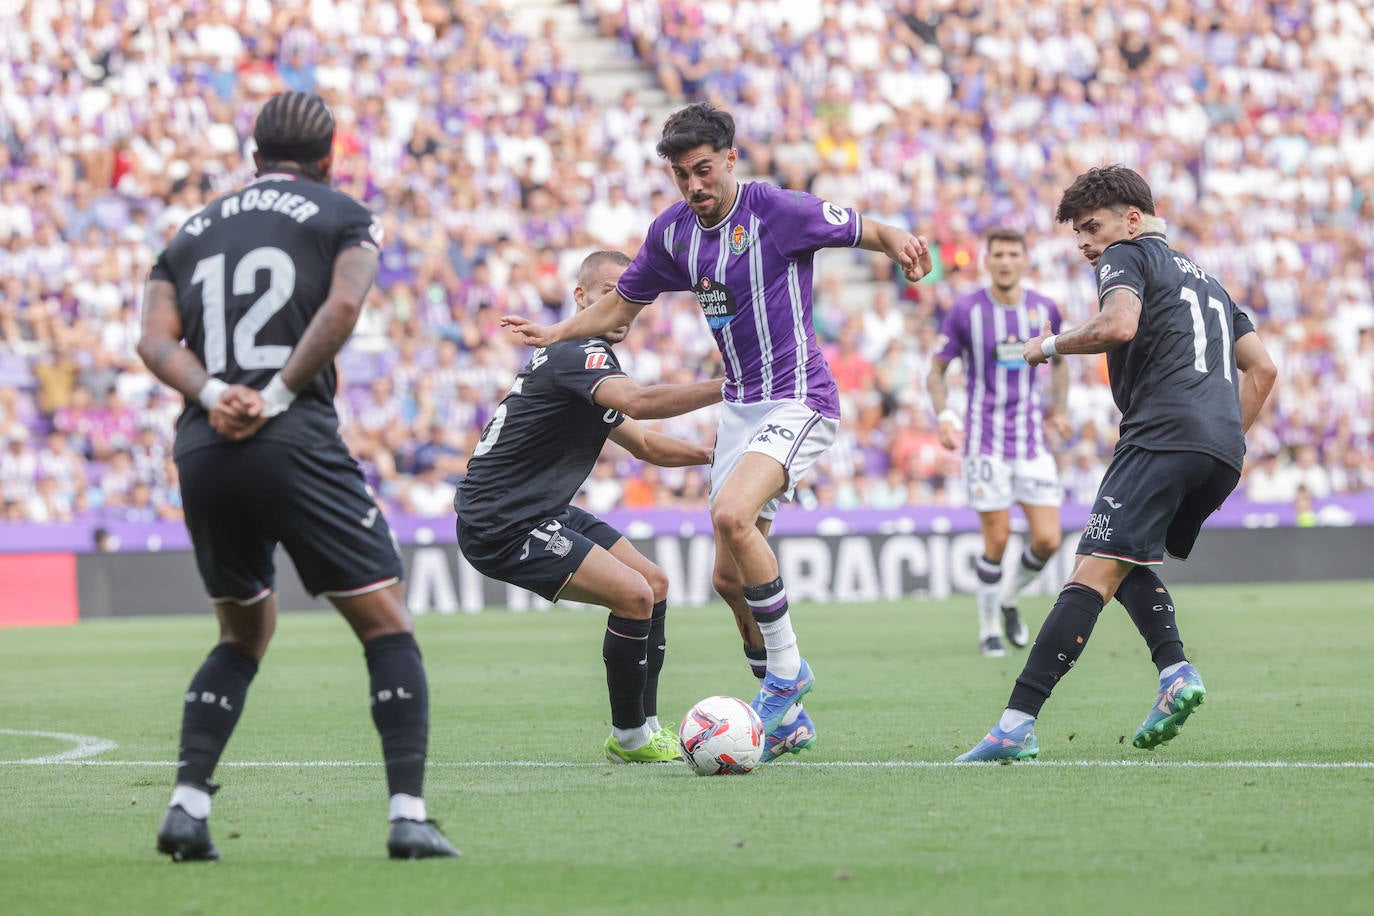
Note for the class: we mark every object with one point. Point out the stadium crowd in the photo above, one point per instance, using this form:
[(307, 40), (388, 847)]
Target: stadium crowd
[(495, 172)]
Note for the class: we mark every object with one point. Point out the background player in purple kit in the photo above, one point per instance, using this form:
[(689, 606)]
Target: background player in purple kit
[(1005, 454), (746, 250)]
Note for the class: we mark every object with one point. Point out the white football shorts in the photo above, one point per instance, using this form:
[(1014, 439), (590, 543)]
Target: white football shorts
[(789, 432), (993, 484)]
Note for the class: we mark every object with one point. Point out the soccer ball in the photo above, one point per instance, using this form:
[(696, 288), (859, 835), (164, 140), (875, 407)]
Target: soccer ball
[(721, 735)]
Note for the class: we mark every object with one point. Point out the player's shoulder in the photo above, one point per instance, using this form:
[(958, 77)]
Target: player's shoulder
[(967, 302)]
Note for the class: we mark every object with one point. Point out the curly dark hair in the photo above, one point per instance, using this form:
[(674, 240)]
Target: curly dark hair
[(695, 125), (1112, 187)]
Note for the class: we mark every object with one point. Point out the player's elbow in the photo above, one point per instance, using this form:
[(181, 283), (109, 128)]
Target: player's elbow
[(343, 308), (1119, 330), (151, 347), (1264, 372)]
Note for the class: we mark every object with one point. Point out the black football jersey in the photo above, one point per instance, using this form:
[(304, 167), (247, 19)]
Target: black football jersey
[(541, 442), (1176, 382), (250, 271)]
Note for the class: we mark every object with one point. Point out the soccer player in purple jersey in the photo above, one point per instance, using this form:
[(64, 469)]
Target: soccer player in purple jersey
[(746, 249), (1005, 458)]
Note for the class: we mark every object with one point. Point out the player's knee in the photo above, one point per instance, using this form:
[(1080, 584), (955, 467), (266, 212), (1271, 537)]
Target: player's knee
[(732, 524), (636, 601), (1044, 545), (658, 583)]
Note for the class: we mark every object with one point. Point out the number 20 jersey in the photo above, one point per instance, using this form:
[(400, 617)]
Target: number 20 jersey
[(541, 442), (250, 271), (1176, 382)]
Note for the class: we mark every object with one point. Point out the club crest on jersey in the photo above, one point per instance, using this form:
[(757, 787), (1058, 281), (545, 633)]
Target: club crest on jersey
[(717, 302), (739, 239)]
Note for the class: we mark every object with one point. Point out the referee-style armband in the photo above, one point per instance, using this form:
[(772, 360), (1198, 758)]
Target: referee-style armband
[(1049, 346), (211, 392), (948, 415), (276, 397)]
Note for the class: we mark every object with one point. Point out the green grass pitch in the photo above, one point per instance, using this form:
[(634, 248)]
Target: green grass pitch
[(1264, 804)]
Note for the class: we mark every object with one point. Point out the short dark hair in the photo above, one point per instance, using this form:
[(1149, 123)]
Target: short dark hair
[(695, 125), (594, 260), (1113, 187), (1003, 234), (294, 127)]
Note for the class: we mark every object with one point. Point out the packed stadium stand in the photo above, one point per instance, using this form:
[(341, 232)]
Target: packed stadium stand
[(502, 142)]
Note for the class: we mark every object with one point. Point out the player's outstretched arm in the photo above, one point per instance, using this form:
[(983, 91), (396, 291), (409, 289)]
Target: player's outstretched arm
[(654, 402), (910, 252), (1258, 374), (606, 314), (1115, 325), (657, 448)]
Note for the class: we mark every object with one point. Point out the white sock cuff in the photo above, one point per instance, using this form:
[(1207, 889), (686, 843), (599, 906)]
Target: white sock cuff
[(407, 808), (1013, 719), (195, 802)]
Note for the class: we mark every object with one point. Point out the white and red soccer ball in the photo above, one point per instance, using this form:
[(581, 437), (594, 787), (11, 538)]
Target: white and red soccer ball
[(721, 735)]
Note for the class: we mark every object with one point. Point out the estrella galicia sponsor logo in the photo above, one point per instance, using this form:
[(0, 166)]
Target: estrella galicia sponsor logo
[(1008, 354), (834, 214), (717, 302)]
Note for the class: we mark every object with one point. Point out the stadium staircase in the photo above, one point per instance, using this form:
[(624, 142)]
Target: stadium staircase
[(609, 67)]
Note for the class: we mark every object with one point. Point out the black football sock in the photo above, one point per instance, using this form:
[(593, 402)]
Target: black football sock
[(758, 661), (625, 649), (658, 647), (400, 709), (1152, 611), (1057, 647), (214, 701)]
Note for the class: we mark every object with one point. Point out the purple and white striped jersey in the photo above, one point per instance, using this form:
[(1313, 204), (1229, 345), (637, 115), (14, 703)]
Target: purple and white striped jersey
[(1005, 417), (751, 273)]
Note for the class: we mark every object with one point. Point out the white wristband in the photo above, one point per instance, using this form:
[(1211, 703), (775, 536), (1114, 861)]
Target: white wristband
[(211, 392), (1049, 347), (949, 416), (276, 397)]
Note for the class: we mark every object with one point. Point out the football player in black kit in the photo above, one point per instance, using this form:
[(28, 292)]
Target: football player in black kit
[(1189, 374), (515, 522), (243, 314)]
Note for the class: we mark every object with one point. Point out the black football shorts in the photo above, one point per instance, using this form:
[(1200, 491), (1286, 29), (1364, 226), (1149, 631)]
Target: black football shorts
[(243, 498), (541, 559), (1151, 502)]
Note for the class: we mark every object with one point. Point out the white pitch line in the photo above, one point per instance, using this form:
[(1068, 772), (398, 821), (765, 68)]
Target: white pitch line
[(820, 764), (85, 746)]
